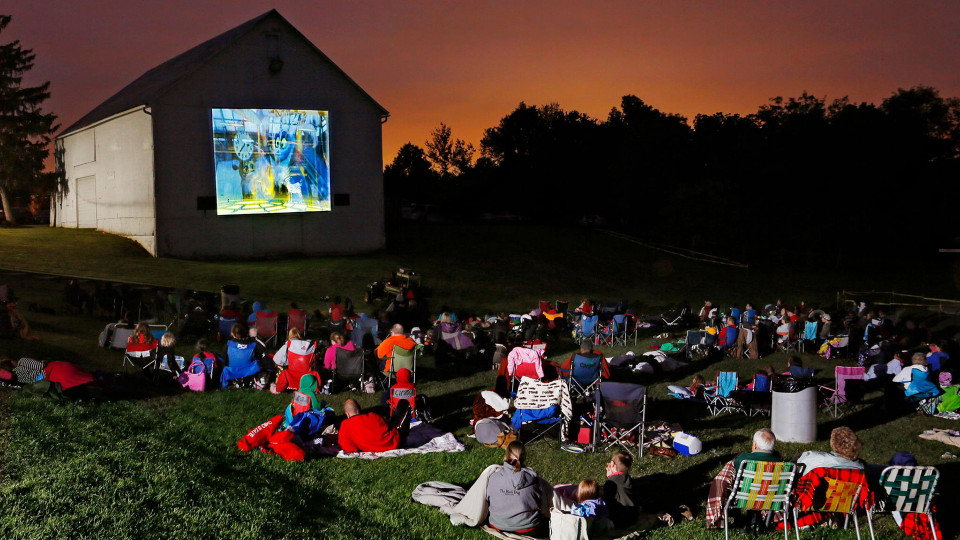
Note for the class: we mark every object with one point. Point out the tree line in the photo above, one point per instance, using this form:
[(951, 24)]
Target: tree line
[(829, 181)]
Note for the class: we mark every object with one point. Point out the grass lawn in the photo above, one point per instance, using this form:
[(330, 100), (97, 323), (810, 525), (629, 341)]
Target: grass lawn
[(166, 464)]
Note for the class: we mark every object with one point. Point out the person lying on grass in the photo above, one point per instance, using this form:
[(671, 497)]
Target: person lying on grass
[(369, 432)]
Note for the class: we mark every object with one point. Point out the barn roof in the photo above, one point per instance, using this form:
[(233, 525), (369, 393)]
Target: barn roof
[(152, 84)]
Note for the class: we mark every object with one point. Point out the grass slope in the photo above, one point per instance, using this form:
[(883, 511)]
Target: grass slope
[(166, 466)]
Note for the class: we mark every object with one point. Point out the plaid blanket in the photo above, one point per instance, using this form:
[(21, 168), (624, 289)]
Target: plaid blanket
[(918, 526), (719, 491)]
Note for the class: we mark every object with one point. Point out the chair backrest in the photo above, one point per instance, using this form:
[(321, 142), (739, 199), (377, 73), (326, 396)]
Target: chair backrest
[(350, 364), (362, 327), (623, 403), (403, 358), (515, 319), (300, 359), (141, 350), (841, 496), (588, 325), (763, 485), (296, 318), (798, 371), (694, 337), (845, 373), (544, 306), (761, 383), (726, 382), (810, 330), (225, 324), (534, 394), (266, 324), (120, 338), (585, 369), (909, 489), (240, 354), (620, 323)]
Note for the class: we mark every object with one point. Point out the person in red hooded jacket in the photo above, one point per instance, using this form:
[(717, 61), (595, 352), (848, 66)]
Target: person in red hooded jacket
[(403, 390), (369, 432)]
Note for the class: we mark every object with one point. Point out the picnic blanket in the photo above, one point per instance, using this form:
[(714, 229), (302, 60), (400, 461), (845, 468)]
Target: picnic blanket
[(423, 439), (941, 435), (813, 489), (716, 497)]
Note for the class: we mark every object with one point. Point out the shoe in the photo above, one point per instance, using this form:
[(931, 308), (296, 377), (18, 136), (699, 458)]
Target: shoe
[(686, 512)]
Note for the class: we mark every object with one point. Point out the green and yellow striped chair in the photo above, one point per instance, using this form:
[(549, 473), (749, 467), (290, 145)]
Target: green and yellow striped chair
[(764, 486)]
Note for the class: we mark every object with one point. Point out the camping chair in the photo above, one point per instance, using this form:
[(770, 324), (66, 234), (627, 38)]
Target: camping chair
[(763, 486), (542, 407), (587, 329), (240, 362), (300, 360), (809, 334), (910, 490), (266, 322), (350, 367), (846, 378), (674, 318), (120, 338), (544, 306), (296, 318), (403, 358), (524, 362), (720, 400), (788, 341), (620, 330), (452, 334), (623, 413), (846, 492), (923, 392), (584, 375), (692, 343), (140, 355), (363, 327), (759, 400)]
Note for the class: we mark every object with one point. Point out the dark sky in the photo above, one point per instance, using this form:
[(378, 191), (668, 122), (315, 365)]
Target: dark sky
[(469, 63)]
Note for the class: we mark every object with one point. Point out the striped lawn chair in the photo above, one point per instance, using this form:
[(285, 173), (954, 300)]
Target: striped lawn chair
[(910, 490), (762, 485), (846, 492)]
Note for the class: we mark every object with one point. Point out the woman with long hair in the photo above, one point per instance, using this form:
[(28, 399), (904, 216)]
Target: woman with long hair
[(514, 494)]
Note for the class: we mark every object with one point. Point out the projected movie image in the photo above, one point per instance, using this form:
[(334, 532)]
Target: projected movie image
[(271, 161)]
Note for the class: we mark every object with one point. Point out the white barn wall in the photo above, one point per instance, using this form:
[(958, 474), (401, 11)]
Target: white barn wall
[(118, 153), (239, 78)]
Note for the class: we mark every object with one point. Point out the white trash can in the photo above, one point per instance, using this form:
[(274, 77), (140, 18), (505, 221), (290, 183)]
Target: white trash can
[(793, 416)]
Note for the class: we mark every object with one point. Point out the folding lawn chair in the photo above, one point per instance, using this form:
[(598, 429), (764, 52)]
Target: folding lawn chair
[(300, 360), (587, 329), (620, 329), (224, 326), (350, 367), (847, 379), (762, 486), (674, 318), (266, 322), (720, 400), (524, 362), (296, 318), (140, 355), (544, 306), (541, 408), (402, 358), (363, 327), (584, 377), (833, 491), (623, 413), (240, 362), (120, 338), (923, 392), (788, 341), (692, 342), (910, 490), (759, 400)]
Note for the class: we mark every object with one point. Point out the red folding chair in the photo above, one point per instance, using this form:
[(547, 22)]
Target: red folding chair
[(266, 322)]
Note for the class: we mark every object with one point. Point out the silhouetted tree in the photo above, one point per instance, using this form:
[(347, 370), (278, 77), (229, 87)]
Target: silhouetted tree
[(25, 130), (448, 157)]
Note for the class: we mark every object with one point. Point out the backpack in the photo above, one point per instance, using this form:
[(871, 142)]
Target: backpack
[(195, 377), (309, 424), (493, 433)]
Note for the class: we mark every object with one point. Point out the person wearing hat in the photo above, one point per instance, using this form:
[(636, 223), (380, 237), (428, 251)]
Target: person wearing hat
[(823, 333)]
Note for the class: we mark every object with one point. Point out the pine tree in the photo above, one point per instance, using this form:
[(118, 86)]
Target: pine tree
[(25, 130)]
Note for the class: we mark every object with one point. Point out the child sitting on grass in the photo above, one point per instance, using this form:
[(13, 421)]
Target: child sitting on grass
[(619, 497)]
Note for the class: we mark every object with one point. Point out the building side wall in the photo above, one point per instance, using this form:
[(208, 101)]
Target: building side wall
[(239, 78), (118, 155)]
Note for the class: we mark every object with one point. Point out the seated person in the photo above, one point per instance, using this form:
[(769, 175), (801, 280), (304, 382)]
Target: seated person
[(885, 370), (620, 497), (514, 495), (796, 369), (397, 338), (405, 391), (337, 341), (586, 350), (729, 333), (141, 336), (305, 398), (937, 359), (166, 352), (257, 306), (590, 505), (845, 449), (369, 432), (697, 388), (918, 362), (762, 450)]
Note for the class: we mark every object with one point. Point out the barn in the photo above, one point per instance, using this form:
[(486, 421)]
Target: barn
[(251, 144)]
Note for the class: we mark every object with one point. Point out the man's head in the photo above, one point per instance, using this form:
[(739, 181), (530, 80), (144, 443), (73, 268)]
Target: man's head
[(396, 330), (764, 440), (845, 443), (351, 408), (585, 347)]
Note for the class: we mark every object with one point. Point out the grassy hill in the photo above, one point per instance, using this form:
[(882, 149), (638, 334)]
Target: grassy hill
[(166, 465)]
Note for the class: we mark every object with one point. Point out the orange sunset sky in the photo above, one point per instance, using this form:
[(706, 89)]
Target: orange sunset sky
[(469, 63)]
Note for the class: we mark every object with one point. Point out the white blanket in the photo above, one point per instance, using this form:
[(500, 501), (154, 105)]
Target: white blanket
[(444, 443)]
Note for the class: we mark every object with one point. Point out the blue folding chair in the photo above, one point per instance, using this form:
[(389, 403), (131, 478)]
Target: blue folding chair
[(585, 370), (241, 362), (720, 399), (587, 328), (224, 326)]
